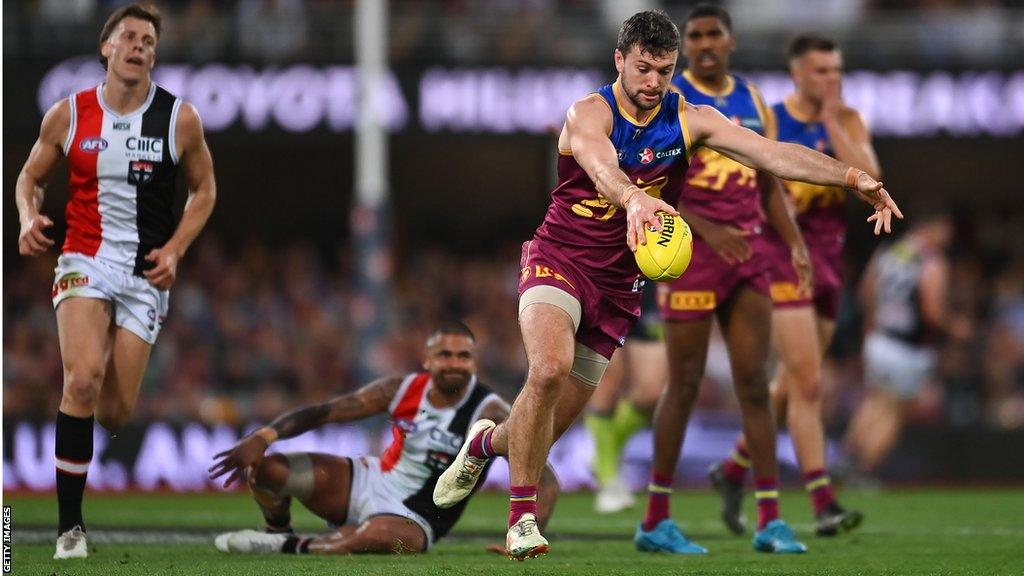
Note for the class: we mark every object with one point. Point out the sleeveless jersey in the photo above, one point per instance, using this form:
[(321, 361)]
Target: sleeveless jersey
[(898, 292), (122, 181), (718, 187), (426, 440), (591, 231), (820, 211)]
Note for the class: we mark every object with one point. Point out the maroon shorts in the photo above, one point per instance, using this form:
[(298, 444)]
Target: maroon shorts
[(710, 280), (608, 311), (828, 281)]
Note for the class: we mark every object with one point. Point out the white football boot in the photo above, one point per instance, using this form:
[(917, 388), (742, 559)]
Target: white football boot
[(460, 478), (71, 544), (613, 498), (524, 540), (250, 542)]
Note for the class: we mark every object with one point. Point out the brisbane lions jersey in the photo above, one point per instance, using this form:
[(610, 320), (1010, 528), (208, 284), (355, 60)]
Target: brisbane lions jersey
[(122, 183), (426, 440)]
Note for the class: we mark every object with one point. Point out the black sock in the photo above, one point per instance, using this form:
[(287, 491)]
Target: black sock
[(73, 453), (296, 545)]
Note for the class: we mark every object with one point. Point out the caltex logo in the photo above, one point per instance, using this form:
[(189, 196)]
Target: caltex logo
[(646, 155)]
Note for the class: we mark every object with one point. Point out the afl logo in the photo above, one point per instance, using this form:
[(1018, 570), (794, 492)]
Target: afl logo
[(95, 144), (646, 155)]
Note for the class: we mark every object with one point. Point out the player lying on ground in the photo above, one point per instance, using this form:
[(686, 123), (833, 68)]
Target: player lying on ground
[(623, 154), (378, 505)]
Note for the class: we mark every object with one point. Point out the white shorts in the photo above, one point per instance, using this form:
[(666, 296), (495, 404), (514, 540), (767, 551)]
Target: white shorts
[(896, 366), (373, 494), (137, 305)]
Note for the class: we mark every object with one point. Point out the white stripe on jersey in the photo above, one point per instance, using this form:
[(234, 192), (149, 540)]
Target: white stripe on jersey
[(118, 204), (428, 443)]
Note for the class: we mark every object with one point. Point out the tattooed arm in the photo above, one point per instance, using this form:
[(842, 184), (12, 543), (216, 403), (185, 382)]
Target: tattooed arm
[(367, 401)]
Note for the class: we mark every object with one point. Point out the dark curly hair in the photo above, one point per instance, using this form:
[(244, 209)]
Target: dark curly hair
[(651, 31)]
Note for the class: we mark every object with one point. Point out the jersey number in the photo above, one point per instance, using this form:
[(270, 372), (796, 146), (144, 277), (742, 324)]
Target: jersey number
[(602, 210)]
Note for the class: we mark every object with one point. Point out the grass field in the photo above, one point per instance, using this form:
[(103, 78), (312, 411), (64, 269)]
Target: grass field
[(910, 532)]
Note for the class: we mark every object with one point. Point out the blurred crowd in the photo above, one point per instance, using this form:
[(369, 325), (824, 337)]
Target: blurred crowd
[(257, 328), (916, 33)]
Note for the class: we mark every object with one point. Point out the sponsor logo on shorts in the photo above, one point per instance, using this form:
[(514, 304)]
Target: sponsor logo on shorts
[(692, 300), (94, 144), (69, 281), (140, 172), (546, 272), (783, 292)]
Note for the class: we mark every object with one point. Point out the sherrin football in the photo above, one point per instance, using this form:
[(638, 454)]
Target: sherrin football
[(667, 253)]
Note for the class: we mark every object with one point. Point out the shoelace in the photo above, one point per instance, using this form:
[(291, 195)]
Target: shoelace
[(467, 474), (71, 537), (525, 527)]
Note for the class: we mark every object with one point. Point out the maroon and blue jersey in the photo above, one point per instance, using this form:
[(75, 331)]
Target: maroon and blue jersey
[(718, 187), (820, 212), (588, 230)]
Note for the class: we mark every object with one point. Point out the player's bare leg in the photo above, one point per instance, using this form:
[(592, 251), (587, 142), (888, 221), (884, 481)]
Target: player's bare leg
[(321, 483), (687, 355), (128, 360), (875, 428), (83, 329), (746, 320), (549, 339)]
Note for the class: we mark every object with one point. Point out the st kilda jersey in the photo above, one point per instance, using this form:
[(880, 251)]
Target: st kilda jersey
[(122, 185), (426, 440)]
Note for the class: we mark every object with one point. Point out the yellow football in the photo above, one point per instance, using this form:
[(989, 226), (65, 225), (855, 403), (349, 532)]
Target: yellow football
[(667, 253)]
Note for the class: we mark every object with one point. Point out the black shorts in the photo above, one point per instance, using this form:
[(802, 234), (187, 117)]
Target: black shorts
[(649, 327)]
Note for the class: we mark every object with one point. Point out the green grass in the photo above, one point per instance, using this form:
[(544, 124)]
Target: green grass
[(910, 532)]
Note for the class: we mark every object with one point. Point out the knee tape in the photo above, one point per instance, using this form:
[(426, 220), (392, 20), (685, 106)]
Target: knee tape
[(588, 366), (300, 476)]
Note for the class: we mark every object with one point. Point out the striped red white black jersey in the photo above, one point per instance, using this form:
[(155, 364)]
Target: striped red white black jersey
[(123, 170), (426, 440)]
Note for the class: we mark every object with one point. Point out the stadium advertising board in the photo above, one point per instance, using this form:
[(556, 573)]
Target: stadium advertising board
[(300, 98)]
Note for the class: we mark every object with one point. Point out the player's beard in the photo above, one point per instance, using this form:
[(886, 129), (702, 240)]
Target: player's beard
[(452, 381), (634, 97)]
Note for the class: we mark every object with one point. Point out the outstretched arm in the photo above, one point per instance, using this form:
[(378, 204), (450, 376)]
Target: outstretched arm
[(587, 125), (367, 401), (789, 161)]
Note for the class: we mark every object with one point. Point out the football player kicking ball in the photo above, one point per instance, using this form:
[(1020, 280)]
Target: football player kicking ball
[(623, 154), (378, 505)]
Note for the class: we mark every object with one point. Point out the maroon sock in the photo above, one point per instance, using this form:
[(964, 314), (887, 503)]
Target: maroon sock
[(659, 493), (818, 483), (522, 500), (480, 445), (767, 495), (736, 465)]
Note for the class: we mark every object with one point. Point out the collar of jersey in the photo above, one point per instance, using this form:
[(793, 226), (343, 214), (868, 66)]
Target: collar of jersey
[(795, 114), (730, 85), (617, 91), (136, 112)]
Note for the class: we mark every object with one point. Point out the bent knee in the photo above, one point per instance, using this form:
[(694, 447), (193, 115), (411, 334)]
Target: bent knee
[(113, 419), (271, 473), (82, 386), (547, 375)]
